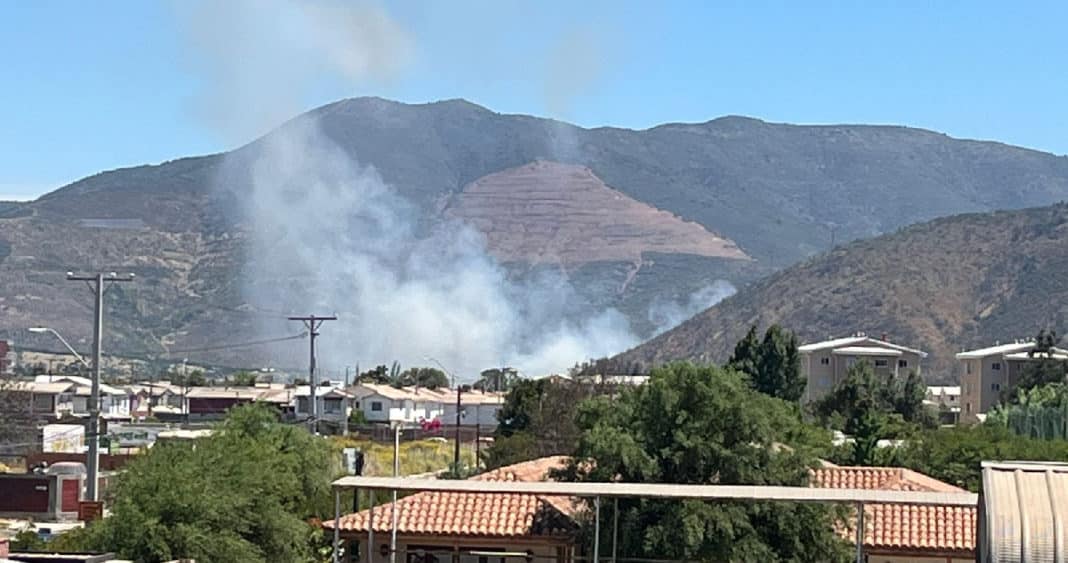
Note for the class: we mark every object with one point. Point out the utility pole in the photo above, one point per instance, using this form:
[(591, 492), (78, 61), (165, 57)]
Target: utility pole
[(312, 323), (96, 283), (456, 454)]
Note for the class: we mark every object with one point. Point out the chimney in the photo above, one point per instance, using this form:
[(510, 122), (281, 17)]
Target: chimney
[(884, 337), (5, 549)]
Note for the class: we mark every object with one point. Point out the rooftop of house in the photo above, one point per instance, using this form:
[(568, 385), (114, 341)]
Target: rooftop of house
[(937, 390), (949, 529), (1054, 354), (859, 339), (477, 514)]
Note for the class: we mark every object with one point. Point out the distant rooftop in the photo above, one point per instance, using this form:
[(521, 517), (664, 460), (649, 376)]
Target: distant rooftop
[(859, 339)]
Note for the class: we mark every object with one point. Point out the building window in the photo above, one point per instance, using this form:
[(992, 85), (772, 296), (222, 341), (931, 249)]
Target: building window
[(825, 361), (881, 362), (42, 403), (968, 408), (995, 387), (332, 406), (968, 368), (376, 406), (996, 366), (302, 404), (902, 363)]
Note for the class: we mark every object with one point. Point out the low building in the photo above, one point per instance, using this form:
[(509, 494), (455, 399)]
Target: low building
[(51, 495), (334, 404), (213, 402), (825, 364), (114, 402), (444, 526), (476, 408), (408, 405), (945, 399), (988, 374), (899, 534)]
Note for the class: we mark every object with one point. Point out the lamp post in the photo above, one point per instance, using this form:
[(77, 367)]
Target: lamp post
[(44, 329)]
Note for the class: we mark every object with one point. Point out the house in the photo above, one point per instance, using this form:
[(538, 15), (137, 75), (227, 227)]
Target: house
[(407, 405), (945, 400), (114, 402), (47, 400), (213, 402), (825, 364), (446, 526), (5, 357), (159, 398), (988, 373), (334, 404), (476, 408), (895, 533)]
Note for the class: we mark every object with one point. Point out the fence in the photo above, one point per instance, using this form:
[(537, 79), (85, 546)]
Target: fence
[(1046, 423)]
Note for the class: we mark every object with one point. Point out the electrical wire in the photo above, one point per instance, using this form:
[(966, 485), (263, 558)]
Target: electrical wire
[(238, 344)]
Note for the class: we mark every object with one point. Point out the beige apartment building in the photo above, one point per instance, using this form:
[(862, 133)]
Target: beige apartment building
[(987, 373), (825, 364)]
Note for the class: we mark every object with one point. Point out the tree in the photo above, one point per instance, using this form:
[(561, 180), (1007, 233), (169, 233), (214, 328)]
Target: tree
[(954, 454), (537, 420), (1043, 369), (431, 378), (242, 379), (243, 494), (772, 364), (699, 425), (379, 375), (1038, 412), (497, 379)]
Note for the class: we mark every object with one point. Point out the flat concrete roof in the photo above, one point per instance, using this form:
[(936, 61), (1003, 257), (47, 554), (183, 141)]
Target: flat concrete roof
[(660, 490)]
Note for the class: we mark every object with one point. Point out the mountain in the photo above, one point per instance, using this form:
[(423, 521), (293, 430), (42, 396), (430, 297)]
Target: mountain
[(731, 199), (958, 282)]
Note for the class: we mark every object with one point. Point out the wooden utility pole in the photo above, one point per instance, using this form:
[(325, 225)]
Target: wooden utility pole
[(312, 323)]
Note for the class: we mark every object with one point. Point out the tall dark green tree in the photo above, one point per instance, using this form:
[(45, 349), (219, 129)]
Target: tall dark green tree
[(773, 363), (431, 378), (699, 425)]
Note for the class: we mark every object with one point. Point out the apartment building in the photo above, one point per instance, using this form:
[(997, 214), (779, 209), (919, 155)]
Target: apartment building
[(825, 364), (988, 373)]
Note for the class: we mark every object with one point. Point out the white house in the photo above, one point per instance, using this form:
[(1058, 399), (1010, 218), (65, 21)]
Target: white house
[(114, 402), (334, 404), (410, 405), (477, 407)]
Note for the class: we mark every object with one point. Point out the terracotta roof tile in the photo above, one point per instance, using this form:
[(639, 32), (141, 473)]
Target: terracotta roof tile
[(905, 528), (477, 514)]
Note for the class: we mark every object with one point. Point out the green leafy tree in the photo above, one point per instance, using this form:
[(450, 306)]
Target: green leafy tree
[(243, 494), (954, 454), (1038, 412), (242, 379), (699, 425), (773, 364), (1043, 369), (431, 378), (497, 379), (379, 375), (538, 419)]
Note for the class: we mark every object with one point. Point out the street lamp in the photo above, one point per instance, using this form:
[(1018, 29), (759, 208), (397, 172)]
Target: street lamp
[(44, 329)]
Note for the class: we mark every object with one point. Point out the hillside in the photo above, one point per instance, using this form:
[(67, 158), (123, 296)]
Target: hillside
[(693, 202), (962, 281)]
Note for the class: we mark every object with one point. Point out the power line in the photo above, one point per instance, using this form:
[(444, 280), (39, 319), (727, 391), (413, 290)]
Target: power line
[(238, 344)]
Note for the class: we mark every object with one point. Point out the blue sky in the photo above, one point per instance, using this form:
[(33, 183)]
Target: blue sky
[(90, 86)]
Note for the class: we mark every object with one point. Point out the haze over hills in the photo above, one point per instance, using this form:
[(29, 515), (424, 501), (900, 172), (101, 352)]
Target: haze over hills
[(731, 199), (958, 282)]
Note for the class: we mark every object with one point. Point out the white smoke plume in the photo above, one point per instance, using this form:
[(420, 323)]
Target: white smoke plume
[(258, 60), (345, 242), (667, 314)]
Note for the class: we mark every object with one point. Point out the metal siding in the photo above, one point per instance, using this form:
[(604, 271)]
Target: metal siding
[(1024, 513)]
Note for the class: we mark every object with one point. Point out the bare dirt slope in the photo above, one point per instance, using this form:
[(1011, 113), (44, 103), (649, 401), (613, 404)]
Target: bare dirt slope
[(547, 212)]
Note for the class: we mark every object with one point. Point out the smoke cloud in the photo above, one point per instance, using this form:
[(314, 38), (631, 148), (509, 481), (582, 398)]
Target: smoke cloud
[(666, 314), (328, 235), (259, 59)]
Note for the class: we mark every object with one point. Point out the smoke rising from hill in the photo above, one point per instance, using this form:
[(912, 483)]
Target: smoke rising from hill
[(346, 243)]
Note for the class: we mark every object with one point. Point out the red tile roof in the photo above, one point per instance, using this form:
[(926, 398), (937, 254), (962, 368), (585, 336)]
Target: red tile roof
[(904, 528), (477, 514)]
